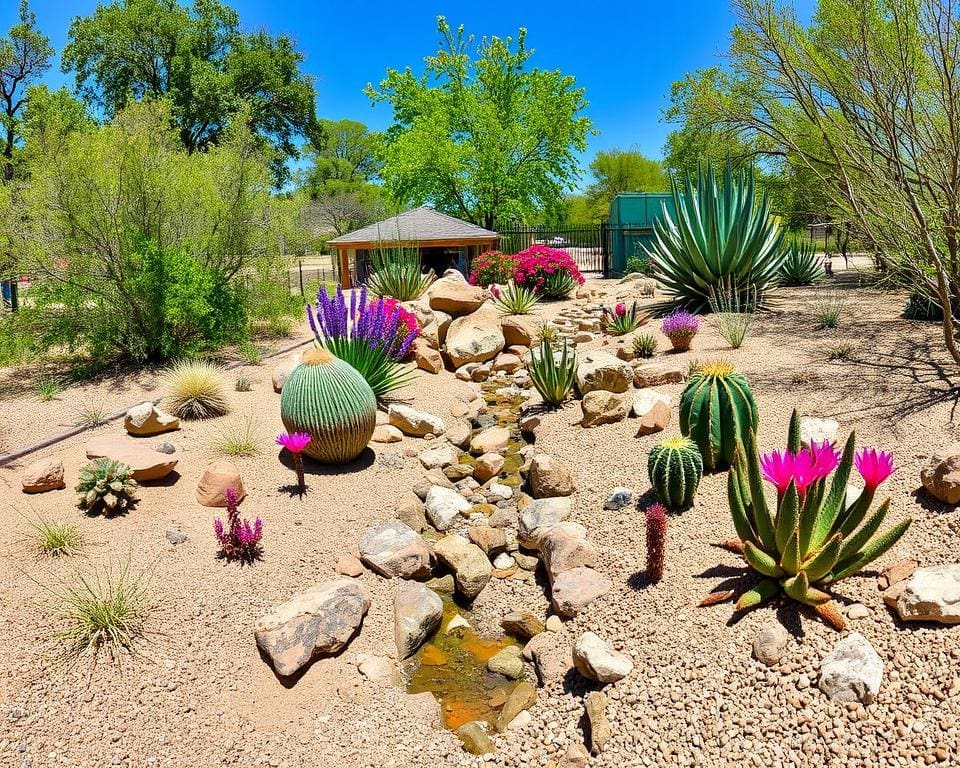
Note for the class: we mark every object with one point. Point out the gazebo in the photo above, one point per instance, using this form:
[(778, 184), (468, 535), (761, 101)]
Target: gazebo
[(443, 241)]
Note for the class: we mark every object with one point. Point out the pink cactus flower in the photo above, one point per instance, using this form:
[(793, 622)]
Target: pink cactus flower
[(803, 468), (294, 443), (777, 468), (621, 309), (874, 466)]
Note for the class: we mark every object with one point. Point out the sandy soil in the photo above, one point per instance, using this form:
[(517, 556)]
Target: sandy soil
[(202, 696)]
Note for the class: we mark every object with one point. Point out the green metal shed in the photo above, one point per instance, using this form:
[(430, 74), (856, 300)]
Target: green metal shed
[(632, 215)]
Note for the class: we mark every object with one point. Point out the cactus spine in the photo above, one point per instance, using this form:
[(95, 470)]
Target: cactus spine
[(717, 411), (656, 515), (675, 468), (329, 399)]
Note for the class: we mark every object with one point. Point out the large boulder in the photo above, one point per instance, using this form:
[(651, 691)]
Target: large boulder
[(413, 422), (146, 419), (574, 590), (603, 407), (455, 296), (656, 374), (520, 330), (941, 475), (43, 475), (417, 612), (549, 477), (444, 506), (475, 338), (564, 546), (426, 356), (214, 482), (393, 549), (596, 660), (929, 594), (145, 463), (539, 515), (320, 621), (852, 671), (601, 370), (470, 566), (283, 370)]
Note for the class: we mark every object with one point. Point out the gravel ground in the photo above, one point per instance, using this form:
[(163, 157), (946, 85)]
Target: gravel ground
[(200, 695)]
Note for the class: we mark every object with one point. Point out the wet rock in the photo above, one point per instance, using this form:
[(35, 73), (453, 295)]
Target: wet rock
[(475, 739), (852, 671), (574, 590), (520, 700), (443, 506), (214, 482), (413, 422), (470, 566), (602, 407), (146, 420), (770, 643), (596, 660), (595, 704), (458, 472), (941, 475), (817, 430), (386, 433), (439, 456), (475, 338), (655, 420), (395, 550), (644, 399), (43, 475), (540, 514), (657, 374), (930, 594), (146, 464), (599, 370), (619, 498), (549, 477), (507, 662), (522, 624), (319, 621), (490, 440), (417, 612), (488, 466)]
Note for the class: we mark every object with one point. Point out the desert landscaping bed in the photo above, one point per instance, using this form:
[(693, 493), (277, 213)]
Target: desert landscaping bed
[(201, 694)]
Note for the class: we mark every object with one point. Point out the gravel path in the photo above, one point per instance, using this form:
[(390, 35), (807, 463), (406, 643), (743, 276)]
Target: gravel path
[(200, 695)]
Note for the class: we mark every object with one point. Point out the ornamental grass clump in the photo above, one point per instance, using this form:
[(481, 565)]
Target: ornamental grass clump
[(372, 336), (656, 518), (296, 443), (622, 319), (239, 538), (553, 372), (57, 539), (106, 485), (645, 345), (195, 389), (813, 538), (680, 327), (732, 312), (514, 299)]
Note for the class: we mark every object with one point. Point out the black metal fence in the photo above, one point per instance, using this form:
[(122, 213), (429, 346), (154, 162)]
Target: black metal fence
[(588, 245)]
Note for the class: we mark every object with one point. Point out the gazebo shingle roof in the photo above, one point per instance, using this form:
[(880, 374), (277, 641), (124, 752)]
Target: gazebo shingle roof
[(421, 224)]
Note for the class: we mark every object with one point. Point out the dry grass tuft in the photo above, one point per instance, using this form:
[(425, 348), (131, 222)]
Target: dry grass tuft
[(196, 389)]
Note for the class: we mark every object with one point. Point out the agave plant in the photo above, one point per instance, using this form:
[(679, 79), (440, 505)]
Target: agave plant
[(552, 373), (514, 299), (720, 235), (397, 274), (801, 264), (815, 537)]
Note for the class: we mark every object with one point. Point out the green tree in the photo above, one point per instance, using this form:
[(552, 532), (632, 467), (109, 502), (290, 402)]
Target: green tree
[(24, 56), (201, 61), (480, 134), (617, 170)]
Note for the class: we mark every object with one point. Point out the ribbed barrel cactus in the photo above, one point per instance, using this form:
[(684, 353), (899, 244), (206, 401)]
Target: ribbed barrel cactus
[(814, 537), (719, 235), (330, 401), (717, 410), (675, 468), (107, 484)]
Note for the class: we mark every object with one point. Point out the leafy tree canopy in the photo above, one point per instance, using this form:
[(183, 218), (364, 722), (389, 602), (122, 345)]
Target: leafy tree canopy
[(618, 170), (200, 60), (480, 134)]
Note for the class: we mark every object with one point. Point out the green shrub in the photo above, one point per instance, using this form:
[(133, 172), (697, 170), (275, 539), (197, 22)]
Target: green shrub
[(920, 307), (47, 388), (312, 287), (639, 263), (250, 353)]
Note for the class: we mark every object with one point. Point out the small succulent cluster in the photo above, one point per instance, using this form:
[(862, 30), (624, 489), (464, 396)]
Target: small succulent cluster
[(622, 319), (514, 299), (680, 327), (645, 345), (242, 384), (675, 468), (239, 538), (814, 537), (553, 373), (656, 517), (106, 485)]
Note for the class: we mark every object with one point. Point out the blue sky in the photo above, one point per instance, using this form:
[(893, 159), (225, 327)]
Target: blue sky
[(626, 54)]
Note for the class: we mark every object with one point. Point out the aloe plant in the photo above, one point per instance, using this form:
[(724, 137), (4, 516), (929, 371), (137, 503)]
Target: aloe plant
[(814, 538), (721, 234), (552, 373)]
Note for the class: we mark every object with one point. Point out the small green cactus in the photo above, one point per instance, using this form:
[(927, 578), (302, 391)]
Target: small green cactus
[(107, 484), (717, 411), (675, 468)]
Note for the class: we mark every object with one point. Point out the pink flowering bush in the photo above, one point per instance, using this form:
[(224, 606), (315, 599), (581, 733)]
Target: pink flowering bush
[(492, 267), (549, 272)]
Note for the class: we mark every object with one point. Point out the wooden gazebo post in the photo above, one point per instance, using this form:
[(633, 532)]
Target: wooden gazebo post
[(344, 258)]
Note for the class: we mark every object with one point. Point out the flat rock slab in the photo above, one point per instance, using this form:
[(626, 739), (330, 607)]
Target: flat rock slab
[(145, 463), (320, 621), (574, 590), (930, 594)]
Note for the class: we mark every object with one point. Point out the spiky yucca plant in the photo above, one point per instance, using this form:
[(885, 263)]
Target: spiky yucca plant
[(813, 538), (801, 264), (719, 233), (553, 373), (514, 299), (106, 483)]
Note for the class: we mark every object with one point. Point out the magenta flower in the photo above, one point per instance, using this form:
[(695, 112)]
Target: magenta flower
[(803, 468), (294, 443), (825, 458), (874, 466), (777, 468), (621, 309)]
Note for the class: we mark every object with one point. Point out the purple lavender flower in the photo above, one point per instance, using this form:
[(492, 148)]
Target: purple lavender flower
[(239, 540)]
